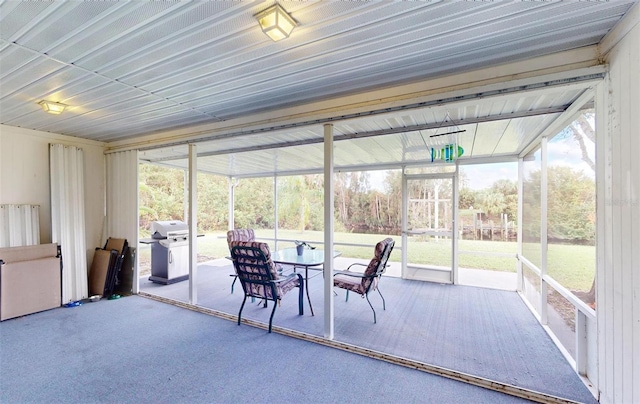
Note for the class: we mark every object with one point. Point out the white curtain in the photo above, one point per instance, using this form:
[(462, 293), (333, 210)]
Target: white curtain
[(122, 199), (122, 195), (67, 218), (19, 225)]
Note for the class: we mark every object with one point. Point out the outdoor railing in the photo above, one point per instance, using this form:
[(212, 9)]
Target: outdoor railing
[(583, 314), (338, 243)]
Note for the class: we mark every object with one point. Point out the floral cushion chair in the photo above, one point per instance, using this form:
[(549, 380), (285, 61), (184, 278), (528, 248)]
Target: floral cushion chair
[(259, 276), (239, 235), (363, 283)]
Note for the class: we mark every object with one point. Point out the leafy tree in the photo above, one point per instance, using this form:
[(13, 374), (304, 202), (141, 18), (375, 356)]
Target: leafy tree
[(492, 202), (582, 130), (393, 188), (254, 204), (467, 198), (571, 204), (300, 200), (509, 190), (213, 201), (161, 194), (343, 197)]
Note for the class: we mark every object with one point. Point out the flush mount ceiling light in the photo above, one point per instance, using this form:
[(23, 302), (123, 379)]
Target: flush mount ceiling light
[(276, 22), (52, 107)]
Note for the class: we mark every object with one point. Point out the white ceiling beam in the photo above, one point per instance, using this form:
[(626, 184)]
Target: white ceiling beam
[(557, 68), (359, 135)]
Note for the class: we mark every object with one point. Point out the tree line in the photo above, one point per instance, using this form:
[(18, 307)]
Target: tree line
[(359, 207)]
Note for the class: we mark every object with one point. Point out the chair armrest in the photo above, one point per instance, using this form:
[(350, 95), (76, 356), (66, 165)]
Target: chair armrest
[(357, 263), (354, 274), (300, 278)]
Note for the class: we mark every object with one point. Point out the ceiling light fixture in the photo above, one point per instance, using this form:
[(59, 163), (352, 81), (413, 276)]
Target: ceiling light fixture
[(52, 107), (276, 22)]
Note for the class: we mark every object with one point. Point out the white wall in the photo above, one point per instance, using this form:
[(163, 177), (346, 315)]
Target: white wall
[(24, 177), (618, 209)]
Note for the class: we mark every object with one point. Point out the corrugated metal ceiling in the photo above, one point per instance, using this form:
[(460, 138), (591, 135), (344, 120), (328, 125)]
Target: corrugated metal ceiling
[(129, 69), (500, 128)]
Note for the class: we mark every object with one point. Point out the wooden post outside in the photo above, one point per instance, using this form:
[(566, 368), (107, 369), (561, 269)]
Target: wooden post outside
[(475, 226)]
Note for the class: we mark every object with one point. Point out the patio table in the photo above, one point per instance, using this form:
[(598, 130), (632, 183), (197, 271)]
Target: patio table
[(309, 259)]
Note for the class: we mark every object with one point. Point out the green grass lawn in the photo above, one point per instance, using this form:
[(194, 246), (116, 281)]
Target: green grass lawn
[(573, 266)]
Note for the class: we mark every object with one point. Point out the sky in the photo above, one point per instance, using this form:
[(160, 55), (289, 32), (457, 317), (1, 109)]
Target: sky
[(479, 176), (562, 150)]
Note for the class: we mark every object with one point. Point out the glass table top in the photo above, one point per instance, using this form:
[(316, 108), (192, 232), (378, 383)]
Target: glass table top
[(308, 258)]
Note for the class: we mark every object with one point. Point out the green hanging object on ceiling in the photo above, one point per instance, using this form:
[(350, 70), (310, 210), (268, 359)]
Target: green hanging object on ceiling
[(449, 152)]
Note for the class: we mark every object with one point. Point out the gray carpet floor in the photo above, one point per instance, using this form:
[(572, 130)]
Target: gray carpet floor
[(484, 332), (137, 350)]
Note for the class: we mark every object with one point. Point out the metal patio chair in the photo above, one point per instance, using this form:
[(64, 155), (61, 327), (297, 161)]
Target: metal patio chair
[(363, 283), (239, 235), (259, 276)]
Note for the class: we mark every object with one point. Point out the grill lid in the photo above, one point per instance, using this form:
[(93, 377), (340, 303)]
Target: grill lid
[(169, 228)]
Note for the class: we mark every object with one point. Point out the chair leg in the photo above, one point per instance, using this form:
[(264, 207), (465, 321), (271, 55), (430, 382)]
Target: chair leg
[(374, 312), (301, 297), (275, 304), (235, 278), (384, 306), (241, 307), (347, 296)]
